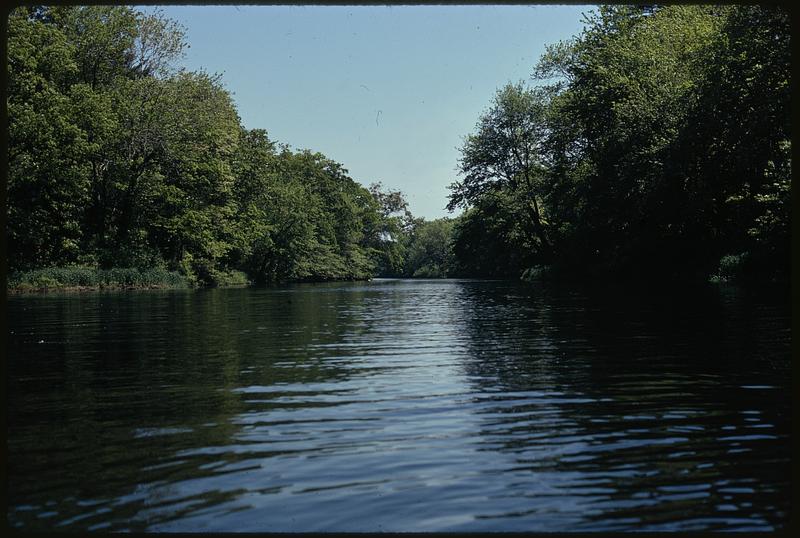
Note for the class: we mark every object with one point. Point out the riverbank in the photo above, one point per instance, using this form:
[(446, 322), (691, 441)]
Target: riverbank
[(85, 279), (92, 278), (83, 289)]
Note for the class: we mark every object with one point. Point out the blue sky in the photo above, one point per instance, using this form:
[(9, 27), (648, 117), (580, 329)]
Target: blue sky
[(389, 92)]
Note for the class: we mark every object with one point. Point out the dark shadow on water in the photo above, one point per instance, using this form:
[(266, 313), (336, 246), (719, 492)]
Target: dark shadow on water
[(667, 408)]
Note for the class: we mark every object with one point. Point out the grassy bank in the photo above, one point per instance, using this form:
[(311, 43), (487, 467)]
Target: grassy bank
[(88, 278)]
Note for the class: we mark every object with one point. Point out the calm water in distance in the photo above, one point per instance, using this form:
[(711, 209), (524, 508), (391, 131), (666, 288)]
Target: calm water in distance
[(399, 405)]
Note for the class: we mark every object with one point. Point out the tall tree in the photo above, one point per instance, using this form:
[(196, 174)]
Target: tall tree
[(629, 83), (389, 240), (47, 149), (505, 152)]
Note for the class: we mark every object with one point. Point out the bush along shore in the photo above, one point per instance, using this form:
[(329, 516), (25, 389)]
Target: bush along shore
[(89, 278), (81, 278)]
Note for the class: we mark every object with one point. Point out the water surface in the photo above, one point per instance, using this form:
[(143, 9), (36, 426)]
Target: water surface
[(399, 405)]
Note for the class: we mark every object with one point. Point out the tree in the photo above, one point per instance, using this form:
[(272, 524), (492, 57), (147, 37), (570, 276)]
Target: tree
[(506, 153), (340, 207), (430, 253), (661, 144), (628, 83), (119, 159), (736, 146), (190, 187), (489, 240), (47, 175), (84, 129), (389, 239)]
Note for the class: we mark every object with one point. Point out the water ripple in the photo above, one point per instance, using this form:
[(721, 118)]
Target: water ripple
[(398, 406)]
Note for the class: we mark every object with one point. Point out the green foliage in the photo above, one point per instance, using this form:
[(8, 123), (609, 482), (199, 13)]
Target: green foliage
[(505, 154), (491, 239), (430, 251), (228, 278), (388, 235), (657, 143), (47, 179), (80, 277), (662, 143), (119, 160), (298, 215), (631, 77)]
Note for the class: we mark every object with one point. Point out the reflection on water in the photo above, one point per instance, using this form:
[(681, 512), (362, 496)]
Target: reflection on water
[(399, 406)]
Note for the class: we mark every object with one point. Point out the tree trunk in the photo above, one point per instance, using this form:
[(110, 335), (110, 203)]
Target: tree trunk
[(545, 247)]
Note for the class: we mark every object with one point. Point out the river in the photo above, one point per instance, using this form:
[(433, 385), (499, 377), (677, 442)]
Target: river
[(400, 405)]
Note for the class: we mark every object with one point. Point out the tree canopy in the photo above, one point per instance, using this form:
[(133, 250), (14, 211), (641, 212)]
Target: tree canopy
[(120, 159), (657, 142), (662, 147)]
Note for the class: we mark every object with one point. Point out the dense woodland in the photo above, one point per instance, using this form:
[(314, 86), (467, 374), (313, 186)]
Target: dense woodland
[(655, 144)]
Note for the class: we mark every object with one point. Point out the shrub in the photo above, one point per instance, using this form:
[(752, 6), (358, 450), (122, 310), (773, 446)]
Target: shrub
[(71, 277), (232, 277)]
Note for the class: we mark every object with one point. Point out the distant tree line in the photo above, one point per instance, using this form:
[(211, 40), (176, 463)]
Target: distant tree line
[(654, 144)]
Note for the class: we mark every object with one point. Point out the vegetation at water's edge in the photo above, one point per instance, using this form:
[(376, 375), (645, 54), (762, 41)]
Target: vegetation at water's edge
[(89, 277), (655, 144)]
